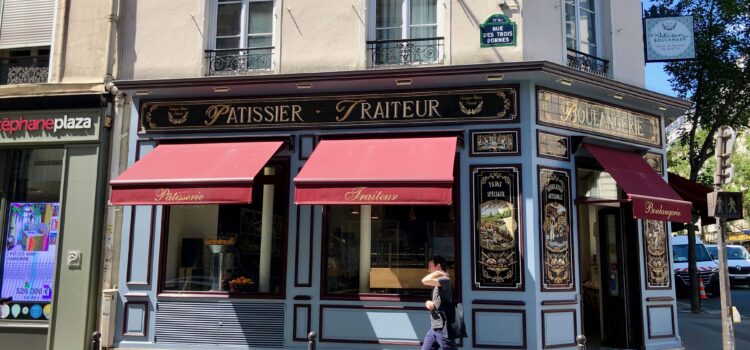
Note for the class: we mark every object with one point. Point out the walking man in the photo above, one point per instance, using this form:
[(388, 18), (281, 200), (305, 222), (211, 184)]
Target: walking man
[(442, 298)]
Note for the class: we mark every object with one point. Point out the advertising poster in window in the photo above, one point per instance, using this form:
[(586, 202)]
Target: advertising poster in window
[(658, 275), (557, 244), (29, 260), (497, 235)]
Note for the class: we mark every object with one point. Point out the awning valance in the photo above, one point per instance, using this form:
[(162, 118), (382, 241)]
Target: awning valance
[(202, 173), (379, 171), (651, 196)]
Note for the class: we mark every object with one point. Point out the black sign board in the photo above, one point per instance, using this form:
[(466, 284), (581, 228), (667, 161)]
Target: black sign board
[(498, 30), (725, 205), (486, 105), (556, 238), (497, 234)]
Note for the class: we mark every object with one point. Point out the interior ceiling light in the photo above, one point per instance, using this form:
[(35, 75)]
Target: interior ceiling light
[(402, 82), (566, 82), (494, 77)]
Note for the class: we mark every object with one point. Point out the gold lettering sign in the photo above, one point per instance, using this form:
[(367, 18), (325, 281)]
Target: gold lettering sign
[(578, 114), (167, 195), (651, 209), (361, 194)]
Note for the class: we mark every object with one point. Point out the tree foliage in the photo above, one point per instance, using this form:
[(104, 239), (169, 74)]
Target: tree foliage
[(718, 80)]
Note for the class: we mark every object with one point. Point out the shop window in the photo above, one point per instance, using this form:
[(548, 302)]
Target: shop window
[(227, 248), (242, 36), (401, 241), (31, 232), (404, 32), (582, 36)]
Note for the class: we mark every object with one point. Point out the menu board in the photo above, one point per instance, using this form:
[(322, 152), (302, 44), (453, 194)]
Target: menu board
[(29, 260)]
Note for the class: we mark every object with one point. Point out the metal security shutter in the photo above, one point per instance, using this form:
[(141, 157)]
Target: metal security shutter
[(26, 23), (187, 323), (223, 323), (256, 324)]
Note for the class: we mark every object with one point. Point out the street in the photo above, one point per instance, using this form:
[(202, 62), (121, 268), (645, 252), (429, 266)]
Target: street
[(703, 331)]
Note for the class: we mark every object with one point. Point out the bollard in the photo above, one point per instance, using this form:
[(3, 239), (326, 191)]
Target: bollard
[(96, 336), (311, 337), (581, 341)]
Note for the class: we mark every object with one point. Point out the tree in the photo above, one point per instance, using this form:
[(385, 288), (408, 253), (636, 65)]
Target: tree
[(718, 80)]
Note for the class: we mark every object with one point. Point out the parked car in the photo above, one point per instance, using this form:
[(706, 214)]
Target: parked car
[(708, 270), (738, 262)]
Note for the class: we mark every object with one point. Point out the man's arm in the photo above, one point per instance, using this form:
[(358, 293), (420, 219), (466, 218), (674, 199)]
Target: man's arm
[(432, 278)]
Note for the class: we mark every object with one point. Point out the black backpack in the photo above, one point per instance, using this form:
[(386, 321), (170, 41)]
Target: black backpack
[(454, 318)]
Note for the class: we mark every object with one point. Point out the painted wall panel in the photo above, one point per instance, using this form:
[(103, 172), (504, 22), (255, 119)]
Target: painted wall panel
[(500, 328), (342, 324)]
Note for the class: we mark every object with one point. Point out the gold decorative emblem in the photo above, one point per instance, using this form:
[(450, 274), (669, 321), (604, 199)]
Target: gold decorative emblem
[(657, 259), (470, 105), (505, 105), (177, 115)]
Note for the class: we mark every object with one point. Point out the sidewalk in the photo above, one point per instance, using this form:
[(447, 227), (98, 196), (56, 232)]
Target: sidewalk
[(703, 331)]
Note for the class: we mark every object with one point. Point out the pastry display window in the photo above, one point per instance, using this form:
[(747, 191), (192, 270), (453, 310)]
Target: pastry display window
[(402, 240), (235, 249)]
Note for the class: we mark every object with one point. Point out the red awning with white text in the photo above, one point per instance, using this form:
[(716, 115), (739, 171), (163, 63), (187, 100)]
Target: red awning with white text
[(379, 171), (651, 196), (202, 173)]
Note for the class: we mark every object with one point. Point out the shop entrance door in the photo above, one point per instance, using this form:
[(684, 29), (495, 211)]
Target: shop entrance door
[(621, 313)]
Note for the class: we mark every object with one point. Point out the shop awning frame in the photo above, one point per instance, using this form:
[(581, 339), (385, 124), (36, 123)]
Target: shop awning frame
[(194, 173), (379, 171), (650, 194)]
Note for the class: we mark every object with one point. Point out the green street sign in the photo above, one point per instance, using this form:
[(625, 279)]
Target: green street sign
[(498, 30)]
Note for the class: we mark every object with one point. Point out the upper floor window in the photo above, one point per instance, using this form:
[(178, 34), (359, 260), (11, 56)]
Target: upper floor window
[(582, 37), (580, 26), (24, 65), (243, 36), (404, 32)]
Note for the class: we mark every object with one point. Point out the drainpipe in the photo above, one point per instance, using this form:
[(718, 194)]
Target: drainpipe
[(120, 121)]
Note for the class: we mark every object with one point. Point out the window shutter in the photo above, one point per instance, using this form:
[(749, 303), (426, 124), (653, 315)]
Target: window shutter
[(26, 23)]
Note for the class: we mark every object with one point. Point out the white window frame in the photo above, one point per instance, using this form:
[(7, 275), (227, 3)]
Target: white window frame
[(243, 22), (405, 19), (597, 25)]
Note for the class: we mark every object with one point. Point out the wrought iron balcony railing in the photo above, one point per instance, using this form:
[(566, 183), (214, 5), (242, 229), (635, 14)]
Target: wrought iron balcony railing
[(587, 63), (24, 70), (404, 52), (239, 61)]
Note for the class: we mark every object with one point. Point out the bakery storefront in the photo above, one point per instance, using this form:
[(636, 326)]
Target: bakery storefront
[(51, 202), (294, 203)]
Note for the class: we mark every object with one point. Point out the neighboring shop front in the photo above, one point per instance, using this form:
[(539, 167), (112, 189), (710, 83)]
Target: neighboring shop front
[(282, 205), (51, 209)]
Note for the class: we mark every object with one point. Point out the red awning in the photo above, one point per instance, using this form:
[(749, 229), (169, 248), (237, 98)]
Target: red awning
[(204, 173), (378, 171), (651, 196), (693, 192)]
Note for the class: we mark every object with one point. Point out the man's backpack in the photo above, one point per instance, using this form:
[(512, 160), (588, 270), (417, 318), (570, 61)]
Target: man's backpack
[(454, 316)]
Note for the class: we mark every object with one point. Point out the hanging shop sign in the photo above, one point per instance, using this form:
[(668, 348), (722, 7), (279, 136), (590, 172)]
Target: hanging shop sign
[(669, 39), (49, 126), (498, 30), (578, 114), (496, 232), (488, 105), (557, 243), (658, 275), (495, 143)]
